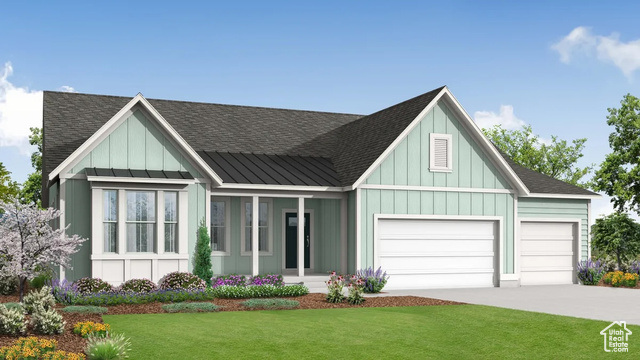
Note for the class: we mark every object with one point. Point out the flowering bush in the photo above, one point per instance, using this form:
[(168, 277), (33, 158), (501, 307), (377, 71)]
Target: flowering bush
[(92, 286), (356, 285), (590, 272), (258, 291), (374, 281), (630, 280), (268, 279), (47, 322), (181, 281), (634, 267), (138, 286), (618, 278), (36, 299), (32, 348), (335, 285), (90, 328), (8, 285), (11, 321), (229, 280)]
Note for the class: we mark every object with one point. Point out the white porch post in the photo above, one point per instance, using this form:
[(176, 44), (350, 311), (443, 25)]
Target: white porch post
[(343, 234), (255, 233), (301, 240)]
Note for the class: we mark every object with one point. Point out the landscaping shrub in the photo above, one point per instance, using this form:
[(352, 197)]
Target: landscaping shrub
[(258, 291), (138, 286), (355, 287), (630, 280), (8, 285), (590, 272), (268, 279), (36, 299), (14, 305), (92, 286), (634, 267), (85, 309), (181, 281), (41, 280), (190, 307), (229, 280), (619, 278), (90, 328), (335, 285), (108, 348), (202, 255), (33, 348), (271, 304), (47, 322), (374, 281), (11, 321), (67, 296)]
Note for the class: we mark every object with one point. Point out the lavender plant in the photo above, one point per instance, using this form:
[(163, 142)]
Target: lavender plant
[(374, 281), (28, 243), (634, 267), (229, 280), (591, 272)]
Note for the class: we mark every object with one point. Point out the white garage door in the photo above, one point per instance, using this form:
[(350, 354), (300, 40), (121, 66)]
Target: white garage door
[(547, 253), (436, 254)]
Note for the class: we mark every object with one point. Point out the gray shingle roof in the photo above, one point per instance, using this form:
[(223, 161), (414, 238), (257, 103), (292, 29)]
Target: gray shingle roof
[(259, 145)]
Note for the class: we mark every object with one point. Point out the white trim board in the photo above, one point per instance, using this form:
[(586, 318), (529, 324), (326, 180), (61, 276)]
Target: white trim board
[(311, 239), (140, 180), (562, 196), (280, 187), (468, 123), (116, 120), (435, 188)]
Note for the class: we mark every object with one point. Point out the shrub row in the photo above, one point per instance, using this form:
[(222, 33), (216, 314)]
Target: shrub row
[(258, 291), (190, 307), (44, 319), (241, 280)]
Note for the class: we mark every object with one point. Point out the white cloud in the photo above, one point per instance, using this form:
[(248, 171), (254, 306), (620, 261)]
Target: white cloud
[(581, 41), (506, 118), (20, 109), (66, 88)]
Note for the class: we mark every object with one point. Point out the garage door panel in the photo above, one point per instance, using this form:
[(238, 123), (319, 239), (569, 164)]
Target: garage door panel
[(422, 246), (546, 277), (546, 246), (426, 253), (547, 229), (546, 261)]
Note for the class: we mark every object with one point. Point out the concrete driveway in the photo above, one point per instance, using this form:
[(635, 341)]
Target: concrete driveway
[(590, 302)]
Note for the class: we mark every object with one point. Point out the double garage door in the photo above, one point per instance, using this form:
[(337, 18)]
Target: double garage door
[(436, 254)]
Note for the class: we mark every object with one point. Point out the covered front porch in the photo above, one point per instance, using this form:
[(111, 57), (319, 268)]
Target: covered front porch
[(272, 242)]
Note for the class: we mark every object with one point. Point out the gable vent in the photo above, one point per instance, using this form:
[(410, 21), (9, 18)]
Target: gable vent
[(440, 153)]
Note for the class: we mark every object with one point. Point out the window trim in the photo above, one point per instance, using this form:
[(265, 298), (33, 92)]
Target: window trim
[(432, 160), (269, 202), (227, 224)]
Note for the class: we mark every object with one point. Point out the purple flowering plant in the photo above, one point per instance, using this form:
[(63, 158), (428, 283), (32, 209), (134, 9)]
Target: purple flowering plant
[(591, 272), (268, 279), (374, 280), (229, 280)]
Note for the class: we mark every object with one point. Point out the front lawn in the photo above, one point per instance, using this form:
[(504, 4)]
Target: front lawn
[(462, 331)]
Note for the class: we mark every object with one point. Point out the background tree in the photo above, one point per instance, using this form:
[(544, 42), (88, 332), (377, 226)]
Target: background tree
[(202, 256), (28, 243), (619, 174), (557, 159), (616, 235), (9, 189), (31, 192)]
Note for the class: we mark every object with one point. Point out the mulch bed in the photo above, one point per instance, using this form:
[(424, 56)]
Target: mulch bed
[(602, 283), (74, 343)]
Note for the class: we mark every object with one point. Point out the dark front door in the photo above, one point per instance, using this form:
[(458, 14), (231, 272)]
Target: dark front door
[(291, 240)]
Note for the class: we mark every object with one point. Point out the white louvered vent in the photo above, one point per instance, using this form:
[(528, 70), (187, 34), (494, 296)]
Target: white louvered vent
[(440, 152)]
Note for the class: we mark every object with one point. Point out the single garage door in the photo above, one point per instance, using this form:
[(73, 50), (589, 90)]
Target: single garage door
[(436, 254), (547, 252)]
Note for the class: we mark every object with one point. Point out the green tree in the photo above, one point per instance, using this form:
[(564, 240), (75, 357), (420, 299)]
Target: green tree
[(557, 159), (202, 255), (31, 192), (616, 235), (9, 189), (619, 173)]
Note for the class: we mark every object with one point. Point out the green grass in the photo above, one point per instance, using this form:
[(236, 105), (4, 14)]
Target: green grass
[(438, 332)]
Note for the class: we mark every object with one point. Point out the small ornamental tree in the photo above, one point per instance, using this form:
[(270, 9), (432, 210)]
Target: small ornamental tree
[(616, 235), (28, 243), (202, 256)]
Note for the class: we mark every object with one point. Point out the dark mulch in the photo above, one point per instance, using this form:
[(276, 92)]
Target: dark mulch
[(74, 343)]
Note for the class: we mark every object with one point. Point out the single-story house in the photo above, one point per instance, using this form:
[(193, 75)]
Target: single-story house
[(415, 188)]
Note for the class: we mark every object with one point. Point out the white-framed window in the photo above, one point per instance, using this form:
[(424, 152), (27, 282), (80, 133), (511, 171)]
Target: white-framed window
[(170, 222), (141, 221), (265, 228), (220, 226), (440, 153), (110, 220)]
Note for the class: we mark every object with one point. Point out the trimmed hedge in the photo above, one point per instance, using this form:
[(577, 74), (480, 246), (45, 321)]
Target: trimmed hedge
[(190, 307), (261, 291)]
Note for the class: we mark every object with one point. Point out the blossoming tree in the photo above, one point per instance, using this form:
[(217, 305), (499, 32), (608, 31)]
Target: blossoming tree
[(28, 243)]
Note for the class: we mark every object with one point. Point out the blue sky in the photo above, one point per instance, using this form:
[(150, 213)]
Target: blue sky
[(556, 66)]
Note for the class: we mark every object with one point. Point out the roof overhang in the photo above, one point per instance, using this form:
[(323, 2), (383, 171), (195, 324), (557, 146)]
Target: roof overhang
[(112, 124)]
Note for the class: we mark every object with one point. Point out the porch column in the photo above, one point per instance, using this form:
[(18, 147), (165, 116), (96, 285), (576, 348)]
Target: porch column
[(255, 233), (301, 239)]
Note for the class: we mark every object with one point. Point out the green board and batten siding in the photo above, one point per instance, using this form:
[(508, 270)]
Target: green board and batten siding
[(408, 164), (558, 208), (135, 144)]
